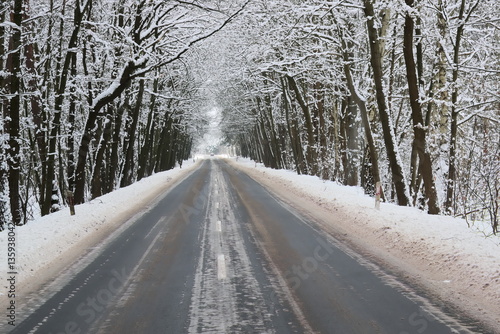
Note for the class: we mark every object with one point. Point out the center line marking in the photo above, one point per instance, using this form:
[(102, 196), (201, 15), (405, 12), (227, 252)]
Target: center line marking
[(221, 267), (219, 226), (217, 205)]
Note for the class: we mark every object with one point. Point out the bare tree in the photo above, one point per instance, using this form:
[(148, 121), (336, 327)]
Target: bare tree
[(419, 141), (463, 17), (14, 110), (398, 176)]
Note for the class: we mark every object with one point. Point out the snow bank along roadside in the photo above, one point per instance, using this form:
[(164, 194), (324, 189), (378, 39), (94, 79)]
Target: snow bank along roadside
[(48, 244), (442, 254)]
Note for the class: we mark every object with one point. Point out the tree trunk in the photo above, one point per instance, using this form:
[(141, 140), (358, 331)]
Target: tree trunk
[(268, 158), (420, 143), (335, 140), (343, 138), (49, 82), (102, 100), (295, 148), (3, 131), (128, 168), (14, 111), (59, 99), (97, 185), (398, 177), (361, 102), (113, 159), (36, 111), (71, 129), (173, 146), (274, 137), (165, 140), (311, 143), (452, 167), (441, 92), (351, 131), (322, 130), (155, 139), (71, 172), (146, 149)]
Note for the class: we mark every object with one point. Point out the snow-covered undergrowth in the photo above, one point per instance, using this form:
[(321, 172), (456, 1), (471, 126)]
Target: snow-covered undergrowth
[(45, 239), (457, 262)]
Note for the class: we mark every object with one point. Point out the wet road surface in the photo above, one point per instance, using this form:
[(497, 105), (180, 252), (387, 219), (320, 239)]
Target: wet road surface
[(219, 254)]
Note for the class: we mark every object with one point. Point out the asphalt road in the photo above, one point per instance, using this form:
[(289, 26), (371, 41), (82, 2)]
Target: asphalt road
[(220, 254)]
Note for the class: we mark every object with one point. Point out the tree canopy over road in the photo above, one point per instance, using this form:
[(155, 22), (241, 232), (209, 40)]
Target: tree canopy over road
[(97, 94)]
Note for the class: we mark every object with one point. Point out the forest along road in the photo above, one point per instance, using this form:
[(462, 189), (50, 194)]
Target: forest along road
[(220, 254)]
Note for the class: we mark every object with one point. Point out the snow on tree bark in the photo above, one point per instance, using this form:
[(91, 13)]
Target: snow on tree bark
[(13, 111), (420, 142)]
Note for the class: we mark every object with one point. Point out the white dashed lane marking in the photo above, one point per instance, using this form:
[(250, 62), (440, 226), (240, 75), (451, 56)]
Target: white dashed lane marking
[(221, 267)]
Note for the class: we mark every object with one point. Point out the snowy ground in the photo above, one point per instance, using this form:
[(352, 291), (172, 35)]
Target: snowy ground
[(459, 264)]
